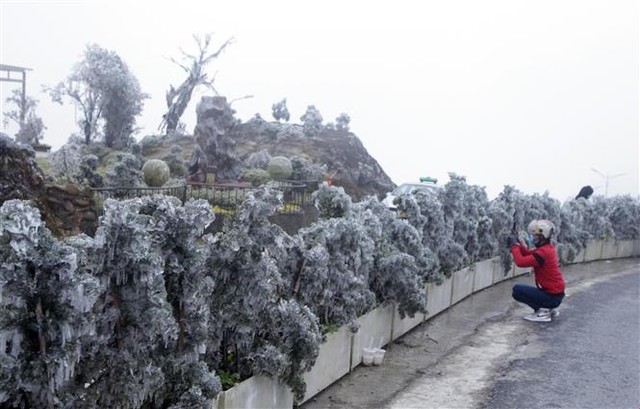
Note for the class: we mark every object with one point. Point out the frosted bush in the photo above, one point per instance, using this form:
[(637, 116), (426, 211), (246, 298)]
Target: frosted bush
[(66, 161), (258, 160), (257, 177), (125, 173), (279, 167), (311, 121), (46, 316), (155, 172), (331, 201), (248, 298), (624, 214)]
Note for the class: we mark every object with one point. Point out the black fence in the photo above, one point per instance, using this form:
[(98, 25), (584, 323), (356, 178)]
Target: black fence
[(224, 197)]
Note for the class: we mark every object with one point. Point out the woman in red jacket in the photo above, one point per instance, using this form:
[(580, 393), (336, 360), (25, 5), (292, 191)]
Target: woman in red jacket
[(548, 293)]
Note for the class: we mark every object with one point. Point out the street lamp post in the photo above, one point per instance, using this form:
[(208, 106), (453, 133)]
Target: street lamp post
[(606, 177)]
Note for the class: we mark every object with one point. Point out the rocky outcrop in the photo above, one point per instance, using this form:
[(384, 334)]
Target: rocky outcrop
[(20, 176), (72, 210), (346, 159), (66, 210)]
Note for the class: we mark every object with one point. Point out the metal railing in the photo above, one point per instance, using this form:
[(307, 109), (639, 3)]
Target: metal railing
[(224, 197)]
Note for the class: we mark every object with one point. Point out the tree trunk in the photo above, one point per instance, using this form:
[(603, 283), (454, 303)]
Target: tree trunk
[(40, 319)]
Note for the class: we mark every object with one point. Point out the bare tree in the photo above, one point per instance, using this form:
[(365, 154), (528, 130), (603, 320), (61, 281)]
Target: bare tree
[(194, 65)]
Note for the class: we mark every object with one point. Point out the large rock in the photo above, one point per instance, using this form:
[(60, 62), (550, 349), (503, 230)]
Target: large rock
[(344, 155), (66, 210), (214, 121), (20, 176)]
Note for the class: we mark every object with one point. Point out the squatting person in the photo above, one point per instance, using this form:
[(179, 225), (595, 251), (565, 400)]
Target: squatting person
[(548, 292)]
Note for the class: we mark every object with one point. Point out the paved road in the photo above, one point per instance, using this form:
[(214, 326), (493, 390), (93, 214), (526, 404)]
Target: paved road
[(590, 358), (481, 354)]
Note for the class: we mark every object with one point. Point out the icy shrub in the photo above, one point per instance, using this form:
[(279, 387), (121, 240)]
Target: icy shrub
[(624, 214), (331, 201), (257, 330), (125, 173), (66, 161), (258, 160), (257, 177), (155, 172), (401, 264), (280, 112), (176, 163), (311, 121), (342, 122), (150, 143), (279, 167), (46, 317)]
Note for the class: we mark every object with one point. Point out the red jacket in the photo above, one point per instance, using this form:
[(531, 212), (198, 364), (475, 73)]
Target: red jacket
[(546, 268)]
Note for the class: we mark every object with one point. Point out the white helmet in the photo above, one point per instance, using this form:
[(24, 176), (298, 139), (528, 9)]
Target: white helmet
[(542, 227)]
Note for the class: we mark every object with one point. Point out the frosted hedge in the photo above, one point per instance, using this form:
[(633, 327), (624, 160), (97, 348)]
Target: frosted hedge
[(152, 312)]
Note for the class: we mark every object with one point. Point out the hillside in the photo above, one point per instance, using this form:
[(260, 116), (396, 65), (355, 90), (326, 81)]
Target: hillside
[(340, 153)]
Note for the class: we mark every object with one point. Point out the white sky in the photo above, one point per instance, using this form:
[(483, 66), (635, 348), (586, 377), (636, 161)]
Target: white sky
[(531, 94)]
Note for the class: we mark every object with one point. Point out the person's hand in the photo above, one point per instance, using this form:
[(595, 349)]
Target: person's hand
[(512, 240)]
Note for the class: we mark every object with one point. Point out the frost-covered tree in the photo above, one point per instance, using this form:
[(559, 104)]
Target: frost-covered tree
[(178, 232), (425, 212), (624, 215), (136, 329), (401, 264), (337, 262), (463, 207), (596, 218), (30, 125), (571, 237), (311, 121), (280, 112), (46, 315), (249, 297), (506, 211), (194, 66), (105, 90), (342, 122)]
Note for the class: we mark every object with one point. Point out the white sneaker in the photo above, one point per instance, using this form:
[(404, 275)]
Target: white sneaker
[(542, 315), (554, 313)]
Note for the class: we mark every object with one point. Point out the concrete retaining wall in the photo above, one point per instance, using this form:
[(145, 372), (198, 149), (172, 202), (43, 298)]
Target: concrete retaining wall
[(343, 349)]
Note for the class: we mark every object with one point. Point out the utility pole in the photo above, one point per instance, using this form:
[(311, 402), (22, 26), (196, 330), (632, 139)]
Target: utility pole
[(607, 177)]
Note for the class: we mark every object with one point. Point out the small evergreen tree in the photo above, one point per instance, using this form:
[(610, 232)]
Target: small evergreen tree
[(46, 316), (342, 122), (249, 298), (280, 112), (311, 121), (30, 126)]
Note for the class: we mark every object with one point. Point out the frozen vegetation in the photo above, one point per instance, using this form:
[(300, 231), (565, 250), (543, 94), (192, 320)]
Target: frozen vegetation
[(152, 312)]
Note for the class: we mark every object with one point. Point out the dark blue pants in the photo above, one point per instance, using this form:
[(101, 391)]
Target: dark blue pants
[(535, 297)]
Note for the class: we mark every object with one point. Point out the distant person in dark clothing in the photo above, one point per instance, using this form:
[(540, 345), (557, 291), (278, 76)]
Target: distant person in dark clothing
[(548, 293), (585, 192)]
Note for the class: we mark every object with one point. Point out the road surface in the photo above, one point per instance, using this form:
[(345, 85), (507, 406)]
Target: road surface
[(482, 354)]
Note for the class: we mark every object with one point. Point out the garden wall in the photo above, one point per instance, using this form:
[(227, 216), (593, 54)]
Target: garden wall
[(343, 350)]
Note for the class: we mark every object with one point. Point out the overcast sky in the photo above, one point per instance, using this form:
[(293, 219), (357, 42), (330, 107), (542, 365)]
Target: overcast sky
[(532, 94)]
